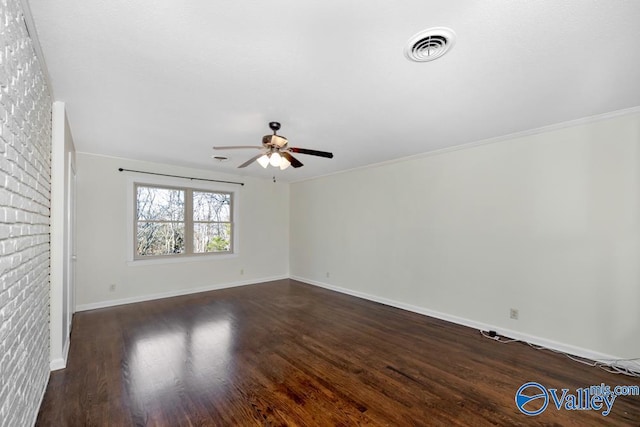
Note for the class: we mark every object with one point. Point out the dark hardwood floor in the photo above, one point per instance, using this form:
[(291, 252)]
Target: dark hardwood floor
[(286, 353)]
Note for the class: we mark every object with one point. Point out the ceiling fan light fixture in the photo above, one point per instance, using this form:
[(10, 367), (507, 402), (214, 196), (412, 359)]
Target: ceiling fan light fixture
[(264, 161), (275, 159), (284, 163)]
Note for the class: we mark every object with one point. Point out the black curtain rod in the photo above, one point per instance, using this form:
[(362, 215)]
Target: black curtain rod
[(185, 177)]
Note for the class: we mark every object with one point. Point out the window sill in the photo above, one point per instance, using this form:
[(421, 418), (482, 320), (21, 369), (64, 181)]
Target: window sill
[(179, 260)]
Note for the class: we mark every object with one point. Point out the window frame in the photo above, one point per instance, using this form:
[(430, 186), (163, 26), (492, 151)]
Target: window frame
[(133, 258)]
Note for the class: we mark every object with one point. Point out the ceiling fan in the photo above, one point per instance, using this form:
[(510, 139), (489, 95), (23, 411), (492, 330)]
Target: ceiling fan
[(275, 151)]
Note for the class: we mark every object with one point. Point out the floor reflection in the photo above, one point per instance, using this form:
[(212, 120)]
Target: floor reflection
[(168, 359), (155, 361), (211, 353)]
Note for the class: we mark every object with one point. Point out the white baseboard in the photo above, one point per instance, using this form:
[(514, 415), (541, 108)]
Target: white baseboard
[(61, 362), (57, 364), (550, 344), (176, 293)]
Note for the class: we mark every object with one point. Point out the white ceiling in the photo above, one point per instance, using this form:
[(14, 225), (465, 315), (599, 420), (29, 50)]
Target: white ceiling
[(164, 81)]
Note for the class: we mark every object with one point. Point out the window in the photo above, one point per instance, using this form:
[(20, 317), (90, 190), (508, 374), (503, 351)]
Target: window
[(178, 221)]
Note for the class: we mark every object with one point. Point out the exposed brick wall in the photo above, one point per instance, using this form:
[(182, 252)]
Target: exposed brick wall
[(25, 177)]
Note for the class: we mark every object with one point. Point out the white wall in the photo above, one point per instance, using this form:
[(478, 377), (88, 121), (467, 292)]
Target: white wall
[(102, 241), (25, 185), (62, 158), (548, 224)]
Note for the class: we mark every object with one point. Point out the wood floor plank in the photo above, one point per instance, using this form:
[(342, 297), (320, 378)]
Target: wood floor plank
[(286, 354)]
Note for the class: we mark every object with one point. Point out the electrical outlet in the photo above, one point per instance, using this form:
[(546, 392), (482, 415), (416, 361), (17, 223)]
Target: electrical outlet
[(328, 275), (513, 314), (112, 287), (241, 271)]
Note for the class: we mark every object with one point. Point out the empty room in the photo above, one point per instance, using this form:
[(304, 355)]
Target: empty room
[(234, 213)]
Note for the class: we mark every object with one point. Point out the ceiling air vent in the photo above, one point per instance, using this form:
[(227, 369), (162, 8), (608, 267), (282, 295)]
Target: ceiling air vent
[(430, 44)]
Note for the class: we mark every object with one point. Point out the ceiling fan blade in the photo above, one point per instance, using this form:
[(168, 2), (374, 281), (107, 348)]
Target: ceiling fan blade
[(311, 152), (294, 162), (233, 147), (251, 160)]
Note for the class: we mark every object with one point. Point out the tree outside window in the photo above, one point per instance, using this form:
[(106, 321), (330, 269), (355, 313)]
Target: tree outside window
[(179, 221)]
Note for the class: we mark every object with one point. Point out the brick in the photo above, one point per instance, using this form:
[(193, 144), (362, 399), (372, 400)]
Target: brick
[(25, 163)]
